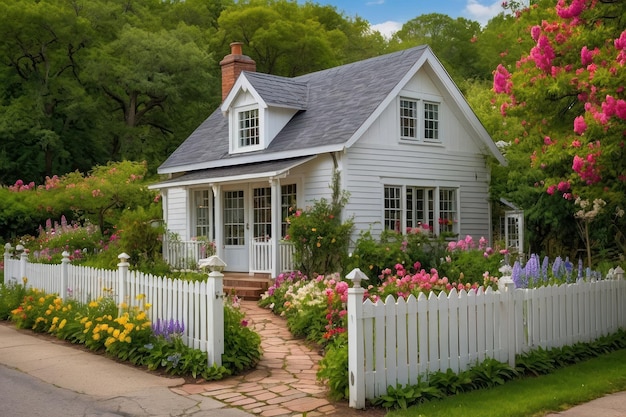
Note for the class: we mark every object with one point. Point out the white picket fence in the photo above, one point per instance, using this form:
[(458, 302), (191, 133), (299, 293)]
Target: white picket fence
[(197, 305), (399, 341)]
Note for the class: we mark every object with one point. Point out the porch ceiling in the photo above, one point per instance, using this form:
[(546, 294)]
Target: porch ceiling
[(234, 173)]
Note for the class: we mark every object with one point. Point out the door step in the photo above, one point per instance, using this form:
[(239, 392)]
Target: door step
[(247, 287)]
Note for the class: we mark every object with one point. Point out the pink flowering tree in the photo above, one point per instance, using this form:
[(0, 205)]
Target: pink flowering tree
[(564, 102)]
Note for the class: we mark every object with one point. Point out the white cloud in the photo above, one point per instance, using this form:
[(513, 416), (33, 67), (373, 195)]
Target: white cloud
[(375, 2), (480, 13), (388, 28)]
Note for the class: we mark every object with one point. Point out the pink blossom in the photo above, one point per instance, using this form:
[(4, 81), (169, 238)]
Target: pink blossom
[(543, 54), (563, 186), (576, 143), (571, 11), (547, 140), (535, 31), (502, 80), (551, 189), (620, 43), (579, 125)]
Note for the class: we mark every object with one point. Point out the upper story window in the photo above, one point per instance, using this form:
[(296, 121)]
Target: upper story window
[(419, 120), (248, 128), (431, 121), (408, 119)]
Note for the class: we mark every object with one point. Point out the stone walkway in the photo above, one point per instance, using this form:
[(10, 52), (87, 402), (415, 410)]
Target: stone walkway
[(284, 382)]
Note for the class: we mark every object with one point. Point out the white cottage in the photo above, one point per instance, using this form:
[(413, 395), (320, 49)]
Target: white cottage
[(409, 149)]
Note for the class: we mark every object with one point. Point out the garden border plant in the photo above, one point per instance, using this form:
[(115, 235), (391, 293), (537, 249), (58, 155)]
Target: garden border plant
[(130, 336)]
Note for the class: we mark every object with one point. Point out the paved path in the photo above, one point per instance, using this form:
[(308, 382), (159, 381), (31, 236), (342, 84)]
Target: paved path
[(284, 382)]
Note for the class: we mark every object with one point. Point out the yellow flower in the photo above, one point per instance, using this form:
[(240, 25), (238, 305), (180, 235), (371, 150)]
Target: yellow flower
[(88, 324), (141, 316), (123, 319), (42, 300), (48, 312), (96, 336), (52, 328), (122, 337), (24, 280), (62, 324), (145, 324), (64, 309), (69, 306), (93, 304), (318, 244), (110, 330), (54, 320), (313, 229), (110, 341), (128, 339), (147, 306), (128, 327), (140, 296), (96, 329), (84, 320), (116, 333), (104, 326)]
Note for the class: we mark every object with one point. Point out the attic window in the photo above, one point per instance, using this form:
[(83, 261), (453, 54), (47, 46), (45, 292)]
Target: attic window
[(248, 131), (419, 120)]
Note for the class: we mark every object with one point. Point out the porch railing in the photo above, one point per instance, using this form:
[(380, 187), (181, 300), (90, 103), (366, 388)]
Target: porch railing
[(184, 254), (262, 256)]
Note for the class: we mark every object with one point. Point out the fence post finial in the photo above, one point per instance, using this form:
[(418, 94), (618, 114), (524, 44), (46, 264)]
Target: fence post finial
[(356, 351), (64, 274), (122, 277)]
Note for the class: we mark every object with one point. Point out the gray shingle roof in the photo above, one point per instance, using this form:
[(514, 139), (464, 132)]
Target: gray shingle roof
[(338, 101)]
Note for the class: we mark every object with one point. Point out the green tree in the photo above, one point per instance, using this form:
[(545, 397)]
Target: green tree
[(564, 100)]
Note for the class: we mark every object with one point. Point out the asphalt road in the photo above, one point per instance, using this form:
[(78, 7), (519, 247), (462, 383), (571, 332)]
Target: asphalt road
[(22, 395)]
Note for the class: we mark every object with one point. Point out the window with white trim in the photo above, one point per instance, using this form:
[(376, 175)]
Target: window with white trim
[(419, 120), (203, 213), (248, 128), (288, 204), (408, 119), (433, 209), (431, 121), (393, 208)]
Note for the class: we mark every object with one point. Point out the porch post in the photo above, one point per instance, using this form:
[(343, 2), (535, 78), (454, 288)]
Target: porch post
[(219, 230), (276, 226)]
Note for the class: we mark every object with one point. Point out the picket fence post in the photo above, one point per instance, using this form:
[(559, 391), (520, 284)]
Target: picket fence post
[(122, 276), (356, 370), (65, 262), (507, 310), (23, 260), (215, 309)]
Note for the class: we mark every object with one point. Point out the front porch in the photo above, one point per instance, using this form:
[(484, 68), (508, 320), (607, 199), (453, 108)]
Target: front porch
[(266, 256)]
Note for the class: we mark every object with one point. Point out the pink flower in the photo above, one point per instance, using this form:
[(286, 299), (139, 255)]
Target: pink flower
[(571, 11), (535, 31), (551, 189), (502, 80), (563, 186), (547, 140), (586, 55), (579, 125)]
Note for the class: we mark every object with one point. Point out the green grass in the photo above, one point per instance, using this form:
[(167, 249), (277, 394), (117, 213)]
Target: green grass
[(534, 396)]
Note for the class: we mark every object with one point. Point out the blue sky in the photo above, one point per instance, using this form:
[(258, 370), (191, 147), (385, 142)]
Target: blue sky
[(387, 16)]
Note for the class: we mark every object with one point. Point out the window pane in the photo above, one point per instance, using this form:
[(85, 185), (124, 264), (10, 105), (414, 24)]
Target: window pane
[(393, 209), (431, 121), (201, 199), (408, 119), (288, 201), (249, 128), (420, 208), (262, 200), (234, 225), (447, 210)]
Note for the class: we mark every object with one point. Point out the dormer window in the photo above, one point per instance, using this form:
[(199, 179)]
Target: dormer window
[(248, 131)]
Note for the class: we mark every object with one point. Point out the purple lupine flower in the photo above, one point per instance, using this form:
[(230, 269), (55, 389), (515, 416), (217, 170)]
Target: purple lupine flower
[(168, 328), (544, 269), (531, 270), (517, 275), (557, 268), (569, 267)]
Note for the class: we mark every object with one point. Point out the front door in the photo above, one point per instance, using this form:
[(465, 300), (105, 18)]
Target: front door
[(235, 231)]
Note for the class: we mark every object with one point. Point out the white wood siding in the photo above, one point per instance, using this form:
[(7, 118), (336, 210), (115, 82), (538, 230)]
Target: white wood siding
[(380, 158), (177, 212), (316, 180)]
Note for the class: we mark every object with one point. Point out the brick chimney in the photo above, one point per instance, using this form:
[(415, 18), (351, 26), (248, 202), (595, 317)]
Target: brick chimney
[(232, 65)]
